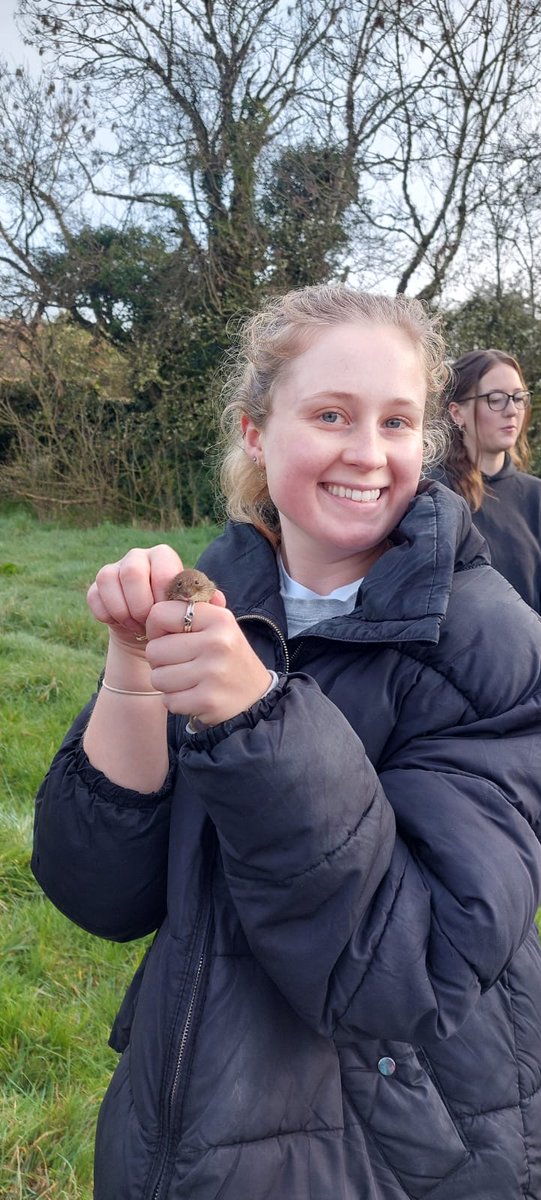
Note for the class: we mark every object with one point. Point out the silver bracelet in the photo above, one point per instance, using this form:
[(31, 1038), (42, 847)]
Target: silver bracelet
[(127, 691)]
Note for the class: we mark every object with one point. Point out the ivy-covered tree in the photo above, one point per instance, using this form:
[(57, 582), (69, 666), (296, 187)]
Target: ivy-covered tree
[(242, 146), (113, 281), (304, 206), (192, 102)]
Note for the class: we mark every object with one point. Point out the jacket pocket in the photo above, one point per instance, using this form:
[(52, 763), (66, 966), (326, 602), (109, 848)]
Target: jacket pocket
[(121, 1028), (399, 1103)]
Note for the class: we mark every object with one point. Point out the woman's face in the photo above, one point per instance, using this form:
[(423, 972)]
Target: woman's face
[(488, 433), (342, 449)]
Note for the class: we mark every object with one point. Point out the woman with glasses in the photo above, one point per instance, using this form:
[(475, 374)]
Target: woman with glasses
[(487, 406)]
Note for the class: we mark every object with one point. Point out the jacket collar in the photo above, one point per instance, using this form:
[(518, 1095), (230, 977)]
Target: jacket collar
[(403, 598)]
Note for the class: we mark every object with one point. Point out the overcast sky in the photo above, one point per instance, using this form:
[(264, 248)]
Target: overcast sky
[(11, 43)]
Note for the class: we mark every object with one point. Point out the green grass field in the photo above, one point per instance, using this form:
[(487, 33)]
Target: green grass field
[(59, 987)]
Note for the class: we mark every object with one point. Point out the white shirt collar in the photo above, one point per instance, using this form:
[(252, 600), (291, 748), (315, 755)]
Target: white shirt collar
[(297, 591)]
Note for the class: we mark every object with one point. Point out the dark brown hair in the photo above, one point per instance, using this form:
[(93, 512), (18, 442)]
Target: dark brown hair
[(466, 374)]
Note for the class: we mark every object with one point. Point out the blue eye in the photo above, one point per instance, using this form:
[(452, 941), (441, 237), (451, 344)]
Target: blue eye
[(330, 417), (394, 422)]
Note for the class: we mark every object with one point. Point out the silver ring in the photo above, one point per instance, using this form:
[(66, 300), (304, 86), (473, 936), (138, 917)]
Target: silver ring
[(188, 616)]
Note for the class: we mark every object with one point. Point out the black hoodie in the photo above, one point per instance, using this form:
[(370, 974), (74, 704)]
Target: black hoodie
[(510, 521)]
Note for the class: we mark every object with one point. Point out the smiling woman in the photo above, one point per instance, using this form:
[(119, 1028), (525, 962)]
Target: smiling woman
[(342, 448), (325, 799), (285, 332)]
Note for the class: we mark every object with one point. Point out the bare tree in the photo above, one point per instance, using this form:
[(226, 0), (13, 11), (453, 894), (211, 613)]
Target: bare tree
[(202, 96), (41, 189), (508, 231), (250, 145), (199, 90), (468, 73)]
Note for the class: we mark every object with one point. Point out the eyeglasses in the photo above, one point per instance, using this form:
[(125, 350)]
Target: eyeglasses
[(498, 401)]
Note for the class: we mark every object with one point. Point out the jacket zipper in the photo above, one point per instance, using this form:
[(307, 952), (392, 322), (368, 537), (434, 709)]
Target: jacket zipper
[(188, 1021), (296, 652), (157, 1192), (186, 1031), (276, 629)]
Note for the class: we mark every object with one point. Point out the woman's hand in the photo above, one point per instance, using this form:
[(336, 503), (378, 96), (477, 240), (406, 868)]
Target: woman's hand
[(212, 672), (126, 736), (124, 592)]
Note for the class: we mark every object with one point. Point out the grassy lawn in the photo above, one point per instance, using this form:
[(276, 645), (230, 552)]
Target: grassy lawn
[(59, 987)]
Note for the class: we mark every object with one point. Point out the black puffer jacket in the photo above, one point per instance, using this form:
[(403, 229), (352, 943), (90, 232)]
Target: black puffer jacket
[(343, 1001)]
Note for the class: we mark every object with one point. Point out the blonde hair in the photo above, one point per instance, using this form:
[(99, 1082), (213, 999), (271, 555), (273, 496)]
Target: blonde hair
[(271, 338)]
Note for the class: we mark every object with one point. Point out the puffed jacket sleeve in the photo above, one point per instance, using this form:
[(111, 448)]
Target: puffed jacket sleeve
[(365, 929), (100, 851)]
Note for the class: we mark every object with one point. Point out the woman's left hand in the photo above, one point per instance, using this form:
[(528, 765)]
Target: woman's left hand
[(211, 672)]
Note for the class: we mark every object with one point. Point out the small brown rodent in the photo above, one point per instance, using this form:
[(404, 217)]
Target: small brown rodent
[(191, 585)]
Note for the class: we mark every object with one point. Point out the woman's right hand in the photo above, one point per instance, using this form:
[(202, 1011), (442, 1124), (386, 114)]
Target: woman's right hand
[(124, 592), (126, 736)]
